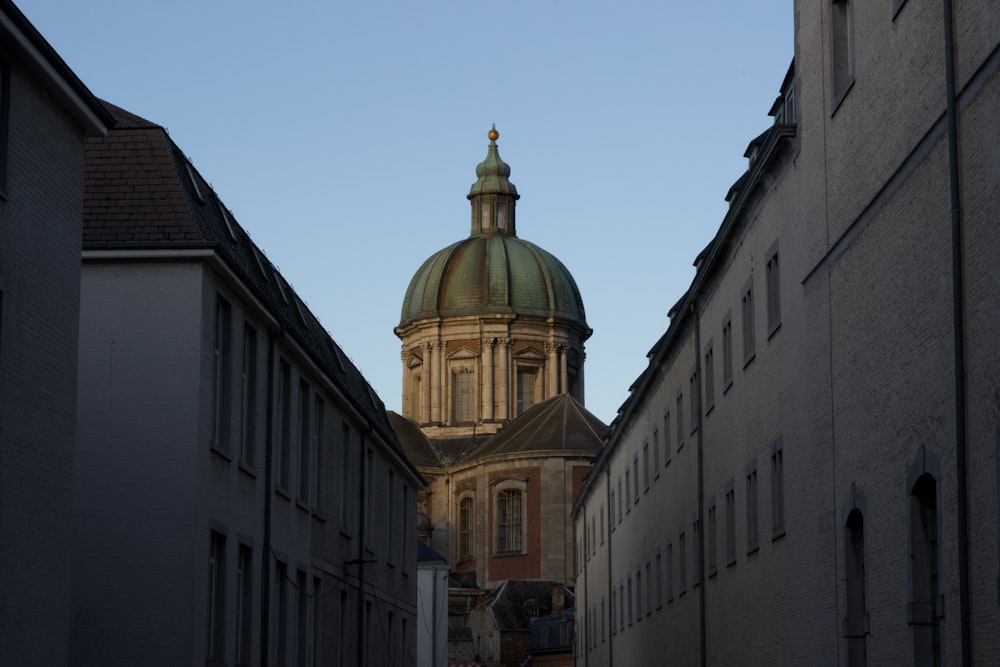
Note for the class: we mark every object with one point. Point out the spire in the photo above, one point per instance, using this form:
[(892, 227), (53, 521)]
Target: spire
[(493, 195)]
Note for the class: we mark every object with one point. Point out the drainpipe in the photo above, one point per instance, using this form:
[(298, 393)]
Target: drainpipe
[(958, 327), (701, 487), (265, 576)]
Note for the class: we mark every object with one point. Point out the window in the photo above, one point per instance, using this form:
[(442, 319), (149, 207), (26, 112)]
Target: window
[(4, 124), (525, 389), (194, 182), (465, 518), (681, 563), (217, 597), (248, 393), (621, 605), (614, 601), (319, 452), (628, 490), (727, 352), (342, 468), (773, 282), (611, 510), (777, 490), (305, 442), (696, 548), (319, 600), (670, 572), (463, 396), (842, 49), (390, 510), (509, 521), (656, 453), (630, 599), (749, 340), (342, 625), (713, 566), (923, 612), (666, 437), (856, 612), (602, 524), (244, 606), (649, 587), (730, 522), (301, 619), (221, 383), (680, 420), (285, 424), (281, 620), (635, 475), (603, 618), (709, 377), (659, 579), (752, 539), (638, 594), (368, 508), (620, 495), (645, 464), (695, 395)]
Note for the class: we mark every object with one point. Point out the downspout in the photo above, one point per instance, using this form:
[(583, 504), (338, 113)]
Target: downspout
[(265, 576), (958, 327), (701, 487)]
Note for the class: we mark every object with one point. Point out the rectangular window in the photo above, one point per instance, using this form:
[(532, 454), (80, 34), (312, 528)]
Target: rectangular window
[(620, 496), (244, 606), (305, 442), (525, 390), (621, 605), (301, 620), (659, 579), (709, 377), (390, 508), (777, 490), (713, 566), (842, 49), (509, 521), (222, 377), (614, 601), (628, 489), (465, 516), (696, 548), (749, 339), (248, 395), (342, 467), (4, 124), (404, 523), (681, 563), (281, 620), (645, 464), (638, 594), (343, 629), (630, 599), (670, 571), (284, 425), (463, 397), (752, 538), (773, 283), (666, 437), (635, 475), (680, 420), (217, 597), (695, 395), (319, 453), (368, 509), (656, 453), (649, 587), (727, 352), (611, 510), (317, 622), (602, 524), (730, 522)]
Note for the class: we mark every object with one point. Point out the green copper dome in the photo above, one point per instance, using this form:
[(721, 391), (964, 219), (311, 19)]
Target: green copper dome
[(493, 271)]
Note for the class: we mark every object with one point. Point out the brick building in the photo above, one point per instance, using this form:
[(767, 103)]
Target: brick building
[(806, 472), (241, 496), (45, 115)]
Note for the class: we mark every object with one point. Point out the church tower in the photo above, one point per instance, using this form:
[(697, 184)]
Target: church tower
[(490, 325)]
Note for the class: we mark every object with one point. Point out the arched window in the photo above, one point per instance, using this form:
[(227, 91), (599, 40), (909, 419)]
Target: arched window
[(856, 619), (510, 521), (923, 608), (465, 519)]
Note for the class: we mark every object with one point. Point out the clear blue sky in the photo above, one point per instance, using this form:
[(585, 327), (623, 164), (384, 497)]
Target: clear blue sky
[(344, 137)]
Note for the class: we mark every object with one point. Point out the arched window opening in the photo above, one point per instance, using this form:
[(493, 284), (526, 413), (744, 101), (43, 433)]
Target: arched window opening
[(465, 518), (856, 620), (924, 608)]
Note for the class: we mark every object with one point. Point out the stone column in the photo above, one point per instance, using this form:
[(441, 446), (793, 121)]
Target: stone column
[(425, 385), (437, 390), (503, 382), (407, 388), (552, 371), (563, 371), (487, 378)]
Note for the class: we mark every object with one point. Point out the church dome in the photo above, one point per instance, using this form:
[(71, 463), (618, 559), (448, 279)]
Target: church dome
[(493, 271)]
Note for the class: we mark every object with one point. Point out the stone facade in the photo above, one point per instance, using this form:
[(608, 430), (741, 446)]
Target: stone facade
[(241, 497), (785, 484), (45, 115)]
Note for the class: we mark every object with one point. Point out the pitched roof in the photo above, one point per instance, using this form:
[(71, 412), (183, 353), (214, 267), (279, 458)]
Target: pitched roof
[(142, 193), (509, 603)]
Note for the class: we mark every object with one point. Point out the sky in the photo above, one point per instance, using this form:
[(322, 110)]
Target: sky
[(344, 138)]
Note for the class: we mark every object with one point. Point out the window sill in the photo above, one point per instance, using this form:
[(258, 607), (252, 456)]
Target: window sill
[(728, 383), (247, 470), (344, 534), (508, 554), (221, 453), (283, 492), (753, 549), (749, 358), (778, 534), (302, 506), (773, 329)]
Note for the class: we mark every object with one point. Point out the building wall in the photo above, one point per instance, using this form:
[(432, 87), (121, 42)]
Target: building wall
[(854, 388), (40, 223)]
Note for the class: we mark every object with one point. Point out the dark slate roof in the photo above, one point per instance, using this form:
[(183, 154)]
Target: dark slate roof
[(425, 554), (425, 452), (142, 193), (559, 423), (508, 602)]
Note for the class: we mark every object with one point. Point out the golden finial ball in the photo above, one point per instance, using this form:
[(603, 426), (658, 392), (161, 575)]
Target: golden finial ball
[(493, 134)]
